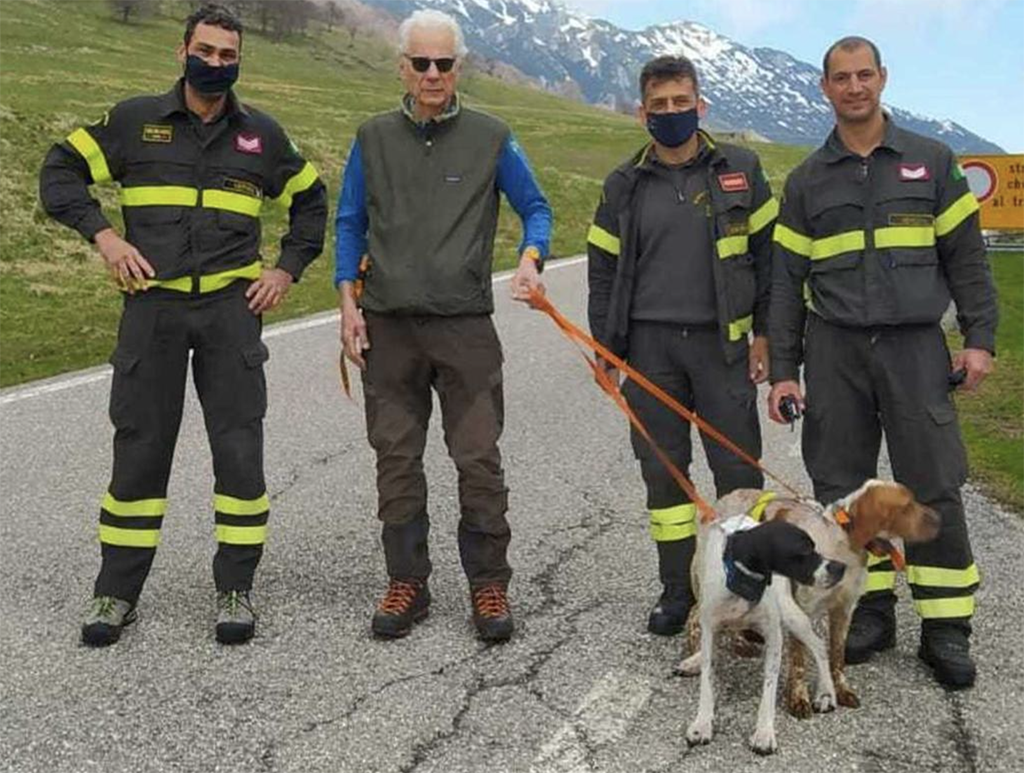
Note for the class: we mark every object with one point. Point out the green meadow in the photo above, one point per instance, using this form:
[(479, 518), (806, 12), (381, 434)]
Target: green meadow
[(64, 63)]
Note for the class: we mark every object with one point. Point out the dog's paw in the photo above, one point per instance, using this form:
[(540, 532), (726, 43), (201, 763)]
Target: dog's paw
[(689, 666), (699, 732), (847, 697), (763, 741), (798, 703), (825, 703)]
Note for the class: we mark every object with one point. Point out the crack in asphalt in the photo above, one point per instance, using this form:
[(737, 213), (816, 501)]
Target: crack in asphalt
[(296, 473), (961, 735)]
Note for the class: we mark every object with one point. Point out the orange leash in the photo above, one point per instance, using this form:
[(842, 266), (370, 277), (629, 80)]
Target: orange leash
[(540, 302)]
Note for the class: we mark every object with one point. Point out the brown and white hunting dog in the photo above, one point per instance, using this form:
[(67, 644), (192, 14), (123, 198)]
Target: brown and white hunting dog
[(847, 531)]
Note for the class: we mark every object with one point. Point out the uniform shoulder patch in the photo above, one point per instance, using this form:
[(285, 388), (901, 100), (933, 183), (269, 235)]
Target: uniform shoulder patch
[(157, 132), (733, 182)]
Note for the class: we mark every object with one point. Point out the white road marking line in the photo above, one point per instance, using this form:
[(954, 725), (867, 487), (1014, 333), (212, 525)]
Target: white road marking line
[(83, 378), (603, 717)]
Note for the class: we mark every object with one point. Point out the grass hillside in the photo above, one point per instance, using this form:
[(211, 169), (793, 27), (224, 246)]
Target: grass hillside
[(64, 63)]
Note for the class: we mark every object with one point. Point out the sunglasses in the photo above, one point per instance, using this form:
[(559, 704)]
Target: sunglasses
[(422, 63)]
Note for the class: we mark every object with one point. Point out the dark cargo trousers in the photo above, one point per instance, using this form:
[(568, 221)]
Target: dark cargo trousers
[(158, 330), (861, 382), (460, 358), (688, 363)]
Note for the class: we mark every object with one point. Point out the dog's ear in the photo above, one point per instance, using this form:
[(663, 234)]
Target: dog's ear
[(870, 513)]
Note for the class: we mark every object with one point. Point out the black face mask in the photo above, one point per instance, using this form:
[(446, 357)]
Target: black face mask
[(207, 79), (672, 129)]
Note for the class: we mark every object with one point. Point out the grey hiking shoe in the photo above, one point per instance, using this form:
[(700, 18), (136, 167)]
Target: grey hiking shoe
[(236, 618), (104, 620)]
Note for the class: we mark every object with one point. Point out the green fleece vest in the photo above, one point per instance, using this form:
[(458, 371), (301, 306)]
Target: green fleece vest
[(432, 203)]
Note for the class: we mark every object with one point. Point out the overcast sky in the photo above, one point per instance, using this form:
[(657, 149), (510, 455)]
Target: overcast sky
[(957, 59)]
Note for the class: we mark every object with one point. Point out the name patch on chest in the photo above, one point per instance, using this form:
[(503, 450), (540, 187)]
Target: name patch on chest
[(244, 187), (733, 182), (911, 219), (914, 172), (154, 132), (249, 143)]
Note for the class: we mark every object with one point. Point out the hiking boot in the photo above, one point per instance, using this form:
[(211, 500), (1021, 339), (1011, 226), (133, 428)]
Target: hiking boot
[(105, 619), (947, 651), (405, 603), (491, 613), (671, 611), (872, 629), (236, 618)]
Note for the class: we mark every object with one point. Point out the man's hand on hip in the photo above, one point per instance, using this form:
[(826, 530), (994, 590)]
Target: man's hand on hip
[(977, 362), (780, 390), (267, 292), (127, 267), (354, 340), (526, 279)]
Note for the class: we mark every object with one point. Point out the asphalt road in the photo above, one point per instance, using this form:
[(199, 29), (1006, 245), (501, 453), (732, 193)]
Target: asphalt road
[(581, 687)]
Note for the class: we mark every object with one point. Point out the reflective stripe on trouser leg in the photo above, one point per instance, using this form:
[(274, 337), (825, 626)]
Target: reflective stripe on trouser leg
[(669, 524), (881, 575), (941, 593), (241, 521)]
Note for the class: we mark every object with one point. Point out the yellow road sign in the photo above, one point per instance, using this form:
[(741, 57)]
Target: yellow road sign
[(998, 184)]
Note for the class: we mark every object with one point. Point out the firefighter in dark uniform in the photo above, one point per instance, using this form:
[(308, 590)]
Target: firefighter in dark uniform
[(878, 231), (195, 167), (679, 276)]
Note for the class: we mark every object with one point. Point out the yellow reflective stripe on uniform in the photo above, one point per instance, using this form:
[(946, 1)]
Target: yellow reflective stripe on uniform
[(129, 538), (757, 511), (880, 581), (601, 238), (830, 246), (938, 577), (791, 240), (670, 524), (159, 195), (905, 236), (212, 282), (297, 183), (740, 327), (241, 535), (874, 560), (931, 609), (730, 246), (90, 150), (763, 215), (232, 202), (955, 214), (222, 503), (133, 507)]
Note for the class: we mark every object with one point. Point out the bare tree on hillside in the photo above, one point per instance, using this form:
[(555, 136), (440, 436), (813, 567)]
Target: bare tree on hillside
[(126, 9)]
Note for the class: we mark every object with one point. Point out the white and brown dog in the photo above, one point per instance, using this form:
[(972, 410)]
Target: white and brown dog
[(866, 521), (744, 571)]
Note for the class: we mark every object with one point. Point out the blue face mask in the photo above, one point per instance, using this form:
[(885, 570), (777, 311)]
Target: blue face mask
[(207, 79), (672, 129)]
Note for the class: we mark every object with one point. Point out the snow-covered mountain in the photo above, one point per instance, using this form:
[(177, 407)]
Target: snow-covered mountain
[(759, 89)]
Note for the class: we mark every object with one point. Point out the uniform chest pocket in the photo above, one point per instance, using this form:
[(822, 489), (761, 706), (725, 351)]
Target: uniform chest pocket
[(232, 221)]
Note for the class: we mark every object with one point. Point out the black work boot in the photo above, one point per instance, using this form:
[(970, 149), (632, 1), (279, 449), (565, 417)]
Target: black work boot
[(670, 613), (236, 617), (405, 603), (106, 617), (872, 628), (668, 617), (492, 615), (946, 648)]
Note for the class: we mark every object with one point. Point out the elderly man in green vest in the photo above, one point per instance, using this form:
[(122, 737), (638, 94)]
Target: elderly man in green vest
[(419, 201)]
